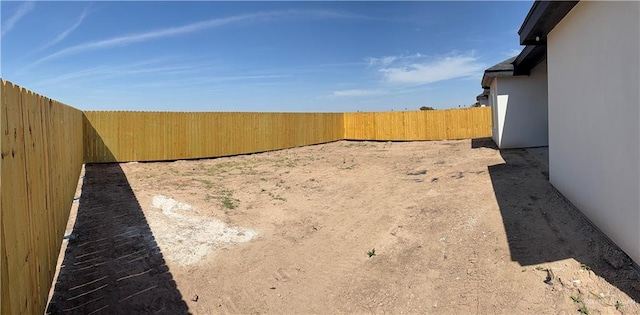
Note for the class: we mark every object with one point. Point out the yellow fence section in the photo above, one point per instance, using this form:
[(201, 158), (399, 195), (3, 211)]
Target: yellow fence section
[(151, 136), (419, 125), (41, 159)]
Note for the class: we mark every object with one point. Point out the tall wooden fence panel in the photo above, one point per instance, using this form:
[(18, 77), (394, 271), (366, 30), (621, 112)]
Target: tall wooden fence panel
[(41, 158), (419, 125), (149, 136)]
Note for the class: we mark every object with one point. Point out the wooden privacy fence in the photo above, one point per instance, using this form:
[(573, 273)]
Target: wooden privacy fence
[(419, 125), (41, 159), (44, 144), (150, 136)]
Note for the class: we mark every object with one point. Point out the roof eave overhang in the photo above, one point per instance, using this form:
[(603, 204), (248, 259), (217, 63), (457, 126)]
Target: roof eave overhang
[(541, 19), (490, 75), (529, 58)]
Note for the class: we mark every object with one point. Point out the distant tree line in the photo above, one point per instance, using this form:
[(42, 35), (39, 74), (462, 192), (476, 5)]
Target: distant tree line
[(427, 108)]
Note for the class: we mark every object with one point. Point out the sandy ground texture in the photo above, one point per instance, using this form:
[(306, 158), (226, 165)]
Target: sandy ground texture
[(446, 227)]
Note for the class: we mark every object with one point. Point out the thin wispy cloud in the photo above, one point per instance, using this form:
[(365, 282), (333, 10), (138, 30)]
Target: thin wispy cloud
[(435, 70), (129, 39), (20, 12), (405, 73), (387, 60), (199, 82), (409, 73), (382, 61), (141, 37), (330, 14), (330, 65), (60, 37), (155, 68), (162, 72), (358, 93)]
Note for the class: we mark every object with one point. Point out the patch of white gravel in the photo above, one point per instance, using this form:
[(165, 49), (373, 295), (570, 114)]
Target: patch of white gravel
[(187, 239), (169, 206)]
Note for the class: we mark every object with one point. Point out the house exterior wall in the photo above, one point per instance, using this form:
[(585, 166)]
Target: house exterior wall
[(483, 101), (594, 116), (521, 111), (496, 117)]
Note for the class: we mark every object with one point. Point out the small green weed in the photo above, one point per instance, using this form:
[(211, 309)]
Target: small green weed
[(576, 299), (277, 197), (619, 305), (585, 267), (207, 183), (371, 253), (584, 310), (229, 202), (539, 268)]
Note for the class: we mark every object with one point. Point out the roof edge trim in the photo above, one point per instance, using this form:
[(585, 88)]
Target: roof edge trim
[(541, 19)]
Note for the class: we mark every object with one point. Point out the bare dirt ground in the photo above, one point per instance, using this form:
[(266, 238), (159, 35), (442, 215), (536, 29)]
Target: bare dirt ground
[(447, 227)]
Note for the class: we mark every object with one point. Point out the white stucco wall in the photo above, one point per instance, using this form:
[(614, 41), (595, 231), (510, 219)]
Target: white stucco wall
[(496, 116), (521, 109), (593, 59)]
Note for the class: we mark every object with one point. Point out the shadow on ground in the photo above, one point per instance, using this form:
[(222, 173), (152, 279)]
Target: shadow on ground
[(112, 263), (547, 228)]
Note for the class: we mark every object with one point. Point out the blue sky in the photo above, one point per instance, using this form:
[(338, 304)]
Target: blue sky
[(257, 56)]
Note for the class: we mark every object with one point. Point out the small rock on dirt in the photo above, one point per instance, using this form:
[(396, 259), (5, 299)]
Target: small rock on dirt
[(615, 258), (419, 172), (551, 277)]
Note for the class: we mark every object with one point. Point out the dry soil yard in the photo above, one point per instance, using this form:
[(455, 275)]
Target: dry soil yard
[(448, 227)]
